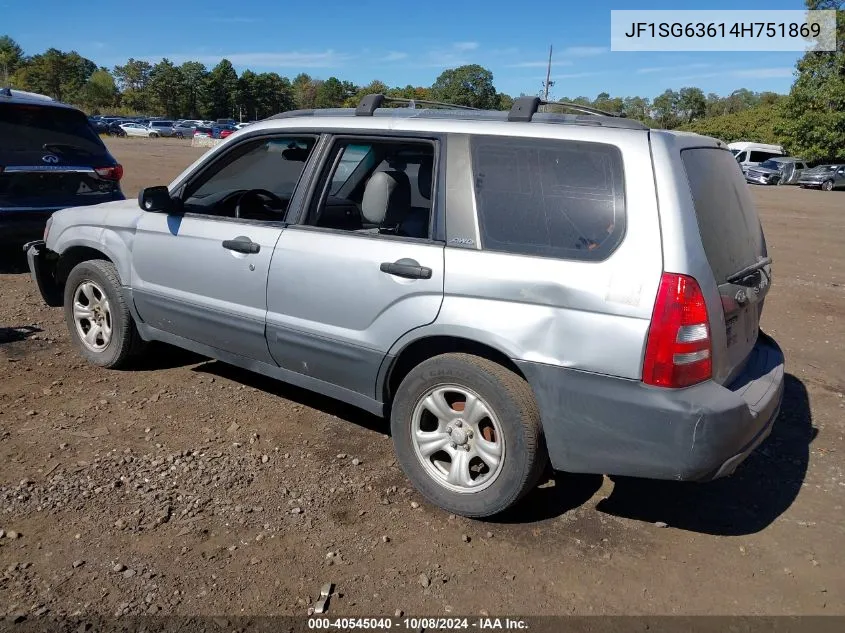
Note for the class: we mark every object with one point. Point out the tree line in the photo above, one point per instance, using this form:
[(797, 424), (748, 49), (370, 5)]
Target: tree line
[(809, 121)]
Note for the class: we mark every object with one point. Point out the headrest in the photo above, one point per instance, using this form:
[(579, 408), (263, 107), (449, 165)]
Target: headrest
[(387, 198)]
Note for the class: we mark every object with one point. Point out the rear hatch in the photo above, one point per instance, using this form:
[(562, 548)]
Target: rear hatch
[(51, 158), (733, 241)]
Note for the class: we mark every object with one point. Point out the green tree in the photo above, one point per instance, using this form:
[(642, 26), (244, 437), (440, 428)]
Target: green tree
[(193, 83), (221, 91), (692, 104), (752, 124), (329, 94), (133, 79), (505, 101), (165, 88), (305, 91), (11, 58), (814, 122), (57, 74), (100, 91), (665, 108), (637, 108), (274, 94), (470, 85)]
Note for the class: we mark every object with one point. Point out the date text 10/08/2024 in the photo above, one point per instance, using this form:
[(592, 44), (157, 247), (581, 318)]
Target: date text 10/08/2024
[(415, 624)]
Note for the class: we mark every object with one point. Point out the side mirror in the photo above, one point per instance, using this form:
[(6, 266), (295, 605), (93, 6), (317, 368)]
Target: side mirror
[(156, 199)]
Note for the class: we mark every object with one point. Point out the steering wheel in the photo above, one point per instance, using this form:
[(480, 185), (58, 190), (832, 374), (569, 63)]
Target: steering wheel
[(259, 196)]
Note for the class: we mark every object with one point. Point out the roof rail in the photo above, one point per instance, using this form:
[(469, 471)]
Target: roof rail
[(5, 92), (524, 108), (371, 102)]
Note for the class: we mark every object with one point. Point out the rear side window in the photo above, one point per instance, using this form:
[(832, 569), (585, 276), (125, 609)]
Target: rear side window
[(563, 199), (25, 127), (727, 221), (759, 157)]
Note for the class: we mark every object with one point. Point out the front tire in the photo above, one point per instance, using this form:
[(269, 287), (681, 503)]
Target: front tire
[(97, 317), (467, 434), (827, 185), (153, 135)]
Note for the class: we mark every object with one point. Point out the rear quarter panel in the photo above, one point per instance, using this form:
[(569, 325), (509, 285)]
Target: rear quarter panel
[(591, 316)]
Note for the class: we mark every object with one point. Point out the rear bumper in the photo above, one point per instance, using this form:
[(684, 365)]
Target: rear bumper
[(43, 273), (599, 424)]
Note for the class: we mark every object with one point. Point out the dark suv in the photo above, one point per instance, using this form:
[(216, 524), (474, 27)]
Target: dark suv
[(50, 158)]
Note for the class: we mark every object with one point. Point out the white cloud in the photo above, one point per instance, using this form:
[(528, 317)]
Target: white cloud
[(539, 64), (574, 75), (290, 59), (662, 69), (465, 46), (395, 56), (584, 51), (764, 73)]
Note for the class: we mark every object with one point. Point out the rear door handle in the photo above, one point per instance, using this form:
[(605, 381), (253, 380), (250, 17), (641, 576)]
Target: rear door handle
[(242, 245), (410, 270)]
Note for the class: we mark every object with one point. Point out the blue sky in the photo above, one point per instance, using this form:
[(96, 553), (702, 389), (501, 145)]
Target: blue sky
[(397, 41)]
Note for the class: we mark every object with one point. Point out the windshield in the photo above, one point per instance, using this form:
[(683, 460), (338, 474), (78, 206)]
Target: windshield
[(25, 127), (735, 151), (772, 164)]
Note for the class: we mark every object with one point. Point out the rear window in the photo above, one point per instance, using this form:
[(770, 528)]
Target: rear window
[(562, 199), (727, 221), (25, 127)]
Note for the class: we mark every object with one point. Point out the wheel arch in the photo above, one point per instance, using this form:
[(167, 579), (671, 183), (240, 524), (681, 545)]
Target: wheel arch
[(408, 354)]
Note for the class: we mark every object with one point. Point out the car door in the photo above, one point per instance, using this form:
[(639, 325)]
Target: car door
[(202, 275), (840, 177), (342, 289)]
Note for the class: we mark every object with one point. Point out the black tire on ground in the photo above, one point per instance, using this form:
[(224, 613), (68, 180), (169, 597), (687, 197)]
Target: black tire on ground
[(179, 135), (827, 185), (153, 135), (125, 341), (512, 401)]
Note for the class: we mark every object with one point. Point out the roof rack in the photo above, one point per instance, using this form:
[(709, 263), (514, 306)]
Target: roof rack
[(371, 102), (524, 108), (5, 92)]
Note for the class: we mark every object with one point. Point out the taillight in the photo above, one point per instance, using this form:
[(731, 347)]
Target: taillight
[(678, 350), (110, 173)]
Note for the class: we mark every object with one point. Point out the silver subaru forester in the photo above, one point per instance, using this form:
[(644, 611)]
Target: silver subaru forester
[(512, 289)]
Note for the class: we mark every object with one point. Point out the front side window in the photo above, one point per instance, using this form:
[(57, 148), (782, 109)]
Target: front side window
[(255, 180), (551, 198), (376, 188)]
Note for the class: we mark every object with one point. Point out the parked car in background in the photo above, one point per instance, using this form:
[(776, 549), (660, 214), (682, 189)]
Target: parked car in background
[(164, 128), (222, 131), (600, 312), (50, 158), (184, 130), (114, 129), (782, 170), (203, 132), (136, 129), (826, 177), (752, 154)]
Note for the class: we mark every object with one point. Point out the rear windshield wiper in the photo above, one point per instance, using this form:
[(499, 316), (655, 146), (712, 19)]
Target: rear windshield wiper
[(745, 272), (60, 147)]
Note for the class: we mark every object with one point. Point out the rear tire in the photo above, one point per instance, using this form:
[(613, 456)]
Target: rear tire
[(97, 317), (827, 185), (486, 429), (153, 135)]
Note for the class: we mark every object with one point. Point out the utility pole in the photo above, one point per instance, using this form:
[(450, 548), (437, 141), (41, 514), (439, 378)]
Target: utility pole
[(548, 82)]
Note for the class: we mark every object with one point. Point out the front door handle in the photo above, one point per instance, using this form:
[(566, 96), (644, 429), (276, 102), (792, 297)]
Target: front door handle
[(407, 268), (242, 245)]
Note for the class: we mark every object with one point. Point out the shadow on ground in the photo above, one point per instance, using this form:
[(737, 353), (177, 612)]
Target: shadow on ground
[(158, 356), (760, 491), (16, 334), (296, 394)]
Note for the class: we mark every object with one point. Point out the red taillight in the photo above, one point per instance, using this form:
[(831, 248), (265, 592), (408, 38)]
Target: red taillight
[(110, 173), (678, 350)]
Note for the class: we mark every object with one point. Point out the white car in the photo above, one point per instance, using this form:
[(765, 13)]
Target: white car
[(136, 129)]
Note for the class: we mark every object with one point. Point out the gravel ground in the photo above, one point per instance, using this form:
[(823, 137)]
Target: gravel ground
[(187, 487)]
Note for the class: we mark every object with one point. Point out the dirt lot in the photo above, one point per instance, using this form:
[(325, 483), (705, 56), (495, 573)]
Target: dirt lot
[(189, 487)]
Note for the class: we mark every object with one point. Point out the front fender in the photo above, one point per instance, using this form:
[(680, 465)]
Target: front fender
[(107, 241)]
